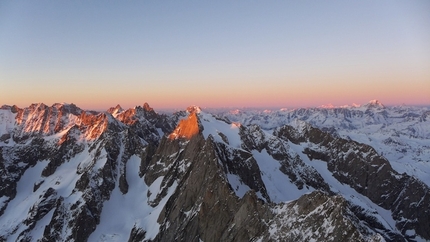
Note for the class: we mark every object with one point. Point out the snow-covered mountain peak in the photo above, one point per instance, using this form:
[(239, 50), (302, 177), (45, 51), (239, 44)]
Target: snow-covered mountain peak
[(374, 104), (37, 107), (59, 105), (371, 104), (235, 112), (194, 109), (147, 108), (115, 110), (13, 109), (328, 106)]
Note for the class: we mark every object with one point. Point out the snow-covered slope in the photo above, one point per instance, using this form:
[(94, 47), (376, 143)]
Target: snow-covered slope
[(399, 133)]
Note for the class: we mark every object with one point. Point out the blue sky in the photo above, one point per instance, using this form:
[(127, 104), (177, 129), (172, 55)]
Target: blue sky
[(214, 53)]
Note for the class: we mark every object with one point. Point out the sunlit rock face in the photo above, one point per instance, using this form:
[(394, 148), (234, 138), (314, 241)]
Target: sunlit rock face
[(93, 125), (135, 175), (186, 128), (40, 119)]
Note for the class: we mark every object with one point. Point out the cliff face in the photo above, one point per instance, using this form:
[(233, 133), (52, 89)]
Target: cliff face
[(74, 175), (187, 128), (203, 206)]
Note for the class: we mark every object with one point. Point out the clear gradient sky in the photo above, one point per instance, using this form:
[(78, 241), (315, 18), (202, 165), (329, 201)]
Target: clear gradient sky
[(173, 54)]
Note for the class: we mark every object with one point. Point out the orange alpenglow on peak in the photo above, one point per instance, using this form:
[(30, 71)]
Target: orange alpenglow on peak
[(186, 128), (194, 109)]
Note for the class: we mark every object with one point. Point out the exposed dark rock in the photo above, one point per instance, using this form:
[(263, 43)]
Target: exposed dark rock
[(223, 137), (147, 154), (195, 211), (304, 176), (319, 217), (123, 185), (242, 164), (313, 154), (137, 234), (253, 137), (5, 137), (68, 148)]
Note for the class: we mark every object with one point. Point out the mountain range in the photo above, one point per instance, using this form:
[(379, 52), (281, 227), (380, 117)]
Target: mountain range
[(358, 173)]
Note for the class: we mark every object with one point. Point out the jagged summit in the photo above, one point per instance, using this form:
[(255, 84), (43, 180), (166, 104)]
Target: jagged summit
[(194, 109), (62, 104), (14, 108), (38, 106), (147, 108), (115, 110), (188, 127)]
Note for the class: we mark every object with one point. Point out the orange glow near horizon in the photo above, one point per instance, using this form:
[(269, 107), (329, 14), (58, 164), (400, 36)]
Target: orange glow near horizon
[(279, 98), (299, 91)]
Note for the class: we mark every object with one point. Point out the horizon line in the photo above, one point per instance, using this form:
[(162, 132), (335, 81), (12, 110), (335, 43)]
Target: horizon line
[(268, 107)]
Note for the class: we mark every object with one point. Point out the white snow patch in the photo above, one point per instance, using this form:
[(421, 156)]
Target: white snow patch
[(278, 185), (7, 121), (239, 188), (213, 126), (124, 211)]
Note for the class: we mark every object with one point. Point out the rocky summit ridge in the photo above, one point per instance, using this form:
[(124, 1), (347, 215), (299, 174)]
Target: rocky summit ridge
[(187, 128), (67, 174)]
